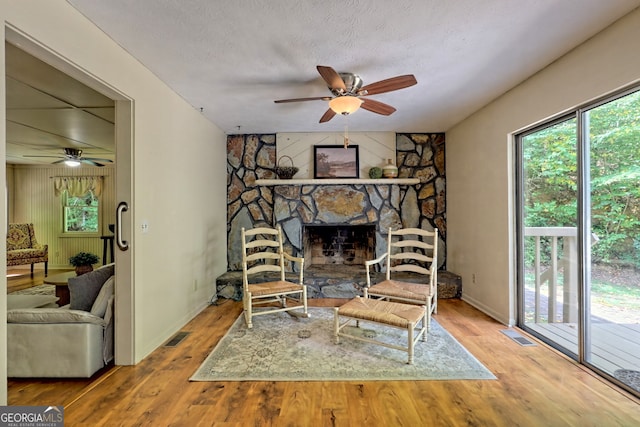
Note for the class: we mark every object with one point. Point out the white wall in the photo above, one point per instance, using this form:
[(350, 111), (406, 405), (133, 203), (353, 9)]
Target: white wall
[(480, 160), (177, 260)]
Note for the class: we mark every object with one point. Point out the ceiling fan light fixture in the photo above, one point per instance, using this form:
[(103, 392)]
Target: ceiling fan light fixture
[(72, 163), (345, 104)]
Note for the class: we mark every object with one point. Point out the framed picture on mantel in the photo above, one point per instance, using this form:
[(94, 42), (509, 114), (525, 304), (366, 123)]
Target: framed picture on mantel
[(335, 161)]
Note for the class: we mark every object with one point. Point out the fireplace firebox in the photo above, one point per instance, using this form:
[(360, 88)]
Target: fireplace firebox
[(343, 244)]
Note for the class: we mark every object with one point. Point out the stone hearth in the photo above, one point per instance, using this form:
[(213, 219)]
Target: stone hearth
[(335, 282)]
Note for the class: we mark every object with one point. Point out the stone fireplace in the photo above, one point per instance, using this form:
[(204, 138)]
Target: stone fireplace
[(293, 206), (330, 245), (302, 203), (298, 207)]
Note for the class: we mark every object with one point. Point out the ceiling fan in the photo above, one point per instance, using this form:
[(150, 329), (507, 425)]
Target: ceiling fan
[(348, 91), (73, 157)]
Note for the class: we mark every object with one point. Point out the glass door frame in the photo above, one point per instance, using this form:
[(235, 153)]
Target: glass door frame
[(520, 237), (583, 224)]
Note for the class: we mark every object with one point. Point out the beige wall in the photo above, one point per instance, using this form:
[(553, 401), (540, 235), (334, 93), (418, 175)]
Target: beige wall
[(180, 196), (480, 160)]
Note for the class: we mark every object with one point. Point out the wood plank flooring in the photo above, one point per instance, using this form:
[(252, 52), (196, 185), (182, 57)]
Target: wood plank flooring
[(536, 386), (20, 278)]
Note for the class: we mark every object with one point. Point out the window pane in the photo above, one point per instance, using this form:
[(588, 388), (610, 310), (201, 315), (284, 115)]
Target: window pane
[(549, 210), (81, 214), (613, 291)]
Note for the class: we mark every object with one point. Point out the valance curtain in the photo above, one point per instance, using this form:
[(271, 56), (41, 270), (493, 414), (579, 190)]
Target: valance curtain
[(77, 186)]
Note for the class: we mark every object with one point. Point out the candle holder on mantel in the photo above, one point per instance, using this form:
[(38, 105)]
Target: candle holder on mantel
[(389, 170)]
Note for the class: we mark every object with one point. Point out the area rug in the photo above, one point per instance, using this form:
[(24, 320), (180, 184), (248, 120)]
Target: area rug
[(280, 347), (629, 377), (37, 290)]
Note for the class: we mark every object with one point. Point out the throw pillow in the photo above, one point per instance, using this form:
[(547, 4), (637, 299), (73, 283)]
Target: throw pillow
[(99, 307), (84, 289)]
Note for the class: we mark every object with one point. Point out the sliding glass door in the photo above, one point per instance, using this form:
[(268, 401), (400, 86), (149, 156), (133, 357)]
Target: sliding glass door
[(549, 282), (612, 200), (579, 236)]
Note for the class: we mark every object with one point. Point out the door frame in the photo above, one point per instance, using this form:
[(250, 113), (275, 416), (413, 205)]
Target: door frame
[(124, 344)]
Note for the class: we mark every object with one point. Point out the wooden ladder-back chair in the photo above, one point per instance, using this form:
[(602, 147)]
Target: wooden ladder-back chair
[(262, 252), (410, 250)]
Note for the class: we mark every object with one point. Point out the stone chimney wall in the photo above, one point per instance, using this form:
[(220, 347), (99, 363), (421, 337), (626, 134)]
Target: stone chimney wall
[(251, 157)]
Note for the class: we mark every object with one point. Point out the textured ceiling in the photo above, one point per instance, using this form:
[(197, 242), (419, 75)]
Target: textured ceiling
[(234, 58)]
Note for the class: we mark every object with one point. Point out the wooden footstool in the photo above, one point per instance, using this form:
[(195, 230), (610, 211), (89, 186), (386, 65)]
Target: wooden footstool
[(394, 314)]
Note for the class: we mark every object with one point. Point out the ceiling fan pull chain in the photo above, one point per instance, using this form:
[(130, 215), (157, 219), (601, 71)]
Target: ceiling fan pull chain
[(346, 133)]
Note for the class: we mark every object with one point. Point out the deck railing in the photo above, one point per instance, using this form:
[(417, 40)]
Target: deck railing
[(563, 263)]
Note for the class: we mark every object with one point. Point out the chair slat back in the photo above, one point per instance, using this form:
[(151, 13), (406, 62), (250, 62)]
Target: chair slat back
[(261, 268), (257, 256), (262, 251), (262, 242), (413, 250)]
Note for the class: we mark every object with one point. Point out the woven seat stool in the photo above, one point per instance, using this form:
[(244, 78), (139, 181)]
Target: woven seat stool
[(393, 314)]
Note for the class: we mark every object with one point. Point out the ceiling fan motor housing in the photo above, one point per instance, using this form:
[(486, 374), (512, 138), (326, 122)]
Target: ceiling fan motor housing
[(353, 83), (73, 152)]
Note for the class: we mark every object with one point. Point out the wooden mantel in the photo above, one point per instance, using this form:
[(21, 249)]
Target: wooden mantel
[(339, 181)]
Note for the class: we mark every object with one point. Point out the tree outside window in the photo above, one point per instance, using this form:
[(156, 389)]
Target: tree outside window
[(81, 214)]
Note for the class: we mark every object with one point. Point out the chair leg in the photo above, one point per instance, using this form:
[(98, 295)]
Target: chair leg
[(304, 299), (247, 310), (425, 322), (46, 268), (32, 270), (336, 325), (410, 331)]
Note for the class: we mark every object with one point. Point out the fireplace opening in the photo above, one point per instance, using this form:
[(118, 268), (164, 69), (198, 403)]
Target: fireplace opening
[(338, 244)]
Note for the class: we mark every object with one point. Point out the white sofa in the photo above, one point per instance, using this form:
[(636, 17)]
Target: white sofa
[(71, 341)]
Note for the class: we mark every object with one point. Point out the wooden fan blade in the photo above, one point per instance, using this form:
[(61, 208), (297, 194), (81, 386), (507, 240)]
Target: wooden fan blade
[(332, 78), (314, 98), (91, 162), (377, 107), (388, 85), (96, 159), (328, 115), (56, 157)]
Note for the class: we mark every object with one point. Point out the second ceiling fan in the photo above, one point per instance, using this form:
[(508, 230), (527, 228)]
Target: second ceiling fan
[(348, 93), (73, 157)]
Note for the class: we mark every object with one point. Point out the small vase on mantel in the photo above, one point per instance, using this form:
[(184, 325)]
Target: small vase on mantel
[(389, 170)]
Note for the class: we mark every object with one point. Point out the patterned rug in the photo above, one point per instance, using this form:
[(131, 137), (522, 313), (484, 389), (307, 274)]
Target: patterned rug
[(282, 348), (37, 290), (629, 377)]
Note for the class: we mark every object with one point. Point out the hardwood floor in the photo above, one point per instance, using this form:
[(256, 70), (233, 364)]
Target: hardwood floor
[(20, 278), (536, 386)]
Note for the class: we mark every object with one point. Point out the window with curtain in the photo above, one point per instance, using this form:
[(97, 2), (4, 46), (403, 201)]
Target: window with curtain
[(80, 203)]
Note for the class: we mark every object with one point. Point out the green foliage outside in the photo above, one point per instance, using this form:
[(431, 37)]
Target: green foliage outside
[(81, 214), (551, 177)]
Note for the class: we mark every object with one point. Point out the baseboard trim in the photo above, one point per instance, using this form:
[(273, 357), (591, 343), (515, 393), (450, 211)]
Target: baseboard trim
[(487, 310)]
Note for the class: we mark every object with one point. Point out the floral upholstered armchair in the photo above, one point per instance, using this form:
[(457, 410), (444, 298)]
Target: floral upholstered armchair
[(23, 248)]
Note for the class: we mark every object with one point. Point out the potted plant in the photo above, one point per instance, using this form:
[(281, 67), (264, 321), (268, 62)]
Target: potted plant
[(83, 262)]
